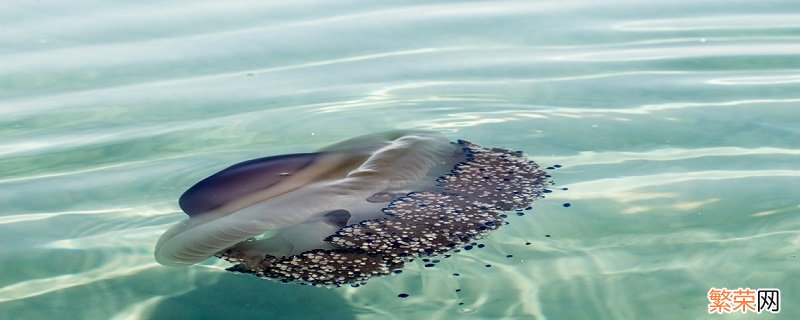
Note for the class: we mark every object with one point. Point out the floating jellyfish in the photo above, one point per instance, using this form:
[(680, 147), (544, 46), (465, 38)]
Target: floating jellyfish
[(353, 210)]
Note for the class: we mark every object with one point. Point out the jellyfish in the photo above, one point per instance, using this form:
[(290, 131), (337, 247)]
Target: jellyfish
[(351, 211)]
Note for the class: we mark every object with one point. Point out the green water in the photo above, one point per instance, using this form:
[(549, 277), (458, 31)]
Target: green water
[(677, 124)]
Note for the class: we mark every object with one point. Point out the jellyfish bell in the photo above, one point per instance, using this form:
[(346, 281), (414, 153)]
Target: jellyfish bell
[(352, 210), (293, 196)]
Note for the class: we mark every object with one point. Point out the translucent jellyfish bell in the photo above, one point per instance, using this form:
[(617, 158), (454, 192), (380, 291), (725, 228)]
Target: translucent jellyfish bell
[(350, 211)]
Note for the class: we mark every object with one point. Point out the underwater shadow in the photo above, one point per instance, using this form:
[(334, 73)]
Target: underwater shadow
[(237, 296)]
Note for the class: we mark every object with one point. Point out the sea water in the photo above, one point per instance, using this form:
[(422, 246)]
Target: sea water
[(676, 125)]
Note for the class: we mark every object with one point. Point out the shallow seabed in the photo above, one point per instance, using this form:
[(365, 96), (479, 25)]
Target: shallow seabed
[(676, 123)]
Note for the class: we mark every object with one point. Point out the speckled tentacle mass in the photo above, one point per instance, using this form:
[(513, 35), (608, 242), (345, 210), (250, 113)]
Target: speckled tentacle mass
[(467, 203)]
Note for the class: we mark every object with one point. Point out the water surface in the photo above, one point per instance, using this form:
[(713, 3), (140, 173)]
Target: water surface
[(676, 123)]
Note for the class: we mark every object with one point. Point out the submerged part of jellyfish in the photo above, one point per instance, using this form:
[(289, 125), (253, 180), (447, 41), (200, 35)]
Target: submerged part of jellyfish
[(353, 210)]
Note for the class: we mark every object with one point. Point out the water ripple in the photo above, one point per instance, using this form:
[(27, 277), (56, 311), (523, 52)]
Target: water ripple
[(727, 22), (675, 123)]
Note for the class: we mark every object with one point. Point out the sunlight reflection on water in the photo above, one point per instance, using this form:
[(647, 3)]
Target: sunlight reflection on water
[(676, 126)]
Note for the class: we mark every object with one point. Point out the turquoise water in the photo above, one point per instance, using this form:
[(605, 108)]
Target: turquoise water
[(676, 122)]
